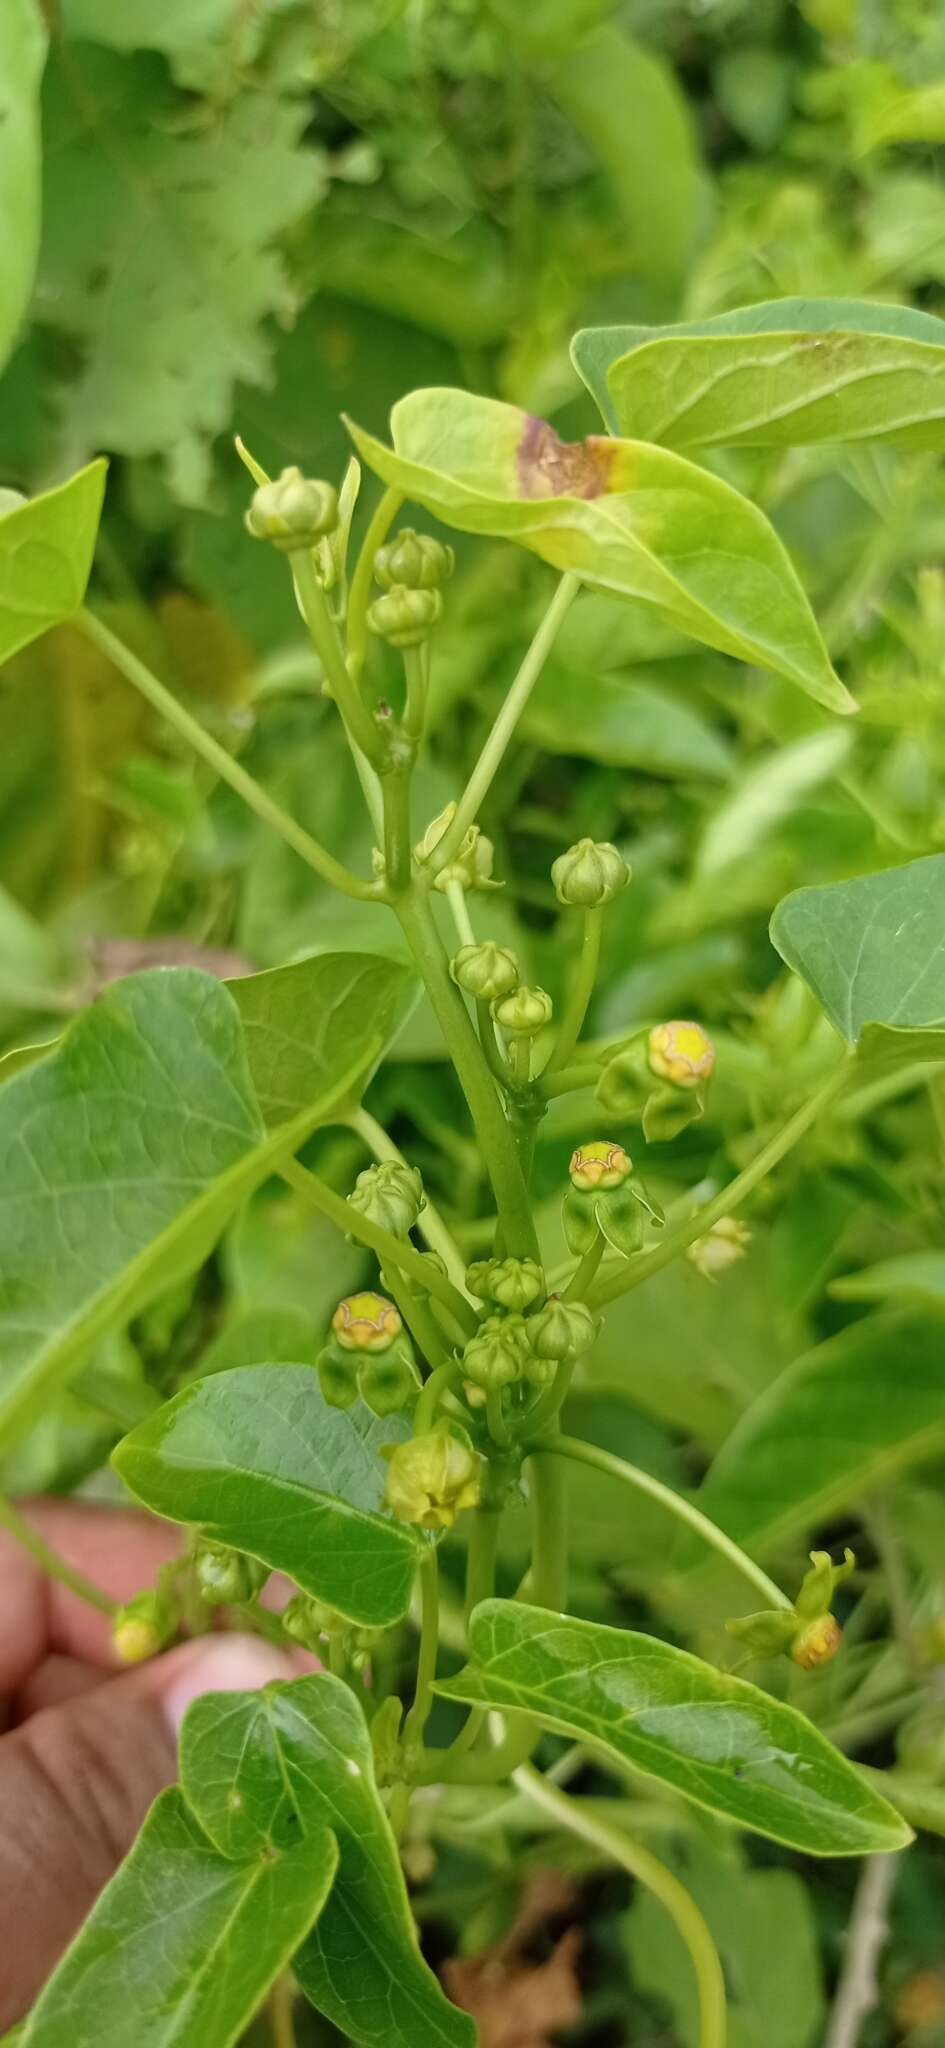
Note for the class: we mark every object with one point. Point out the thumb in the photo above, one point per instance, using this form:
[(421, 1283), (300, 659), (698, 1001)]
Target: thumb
[(76, 1781)]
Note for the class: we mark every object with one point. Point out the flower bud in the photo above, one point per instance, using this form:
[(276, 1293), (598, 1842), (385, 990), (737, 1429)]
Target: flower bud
[(720, 1248), (366, 1322), (404, 617), (561, 1330), (816, 1642), (143, 1626), (524, 1013), (389, 1194), (294, 511), (493, 1359), (435, 831), (471, 865), (599, 1164), (432, 1478), (516, 1283), (681, 1052), (590, 874), (225, 1576), (487, 972), (414, 560)]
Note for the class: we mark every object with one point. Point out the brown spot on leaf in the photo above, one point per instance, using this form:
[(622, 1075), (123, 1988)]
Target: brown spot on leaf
[(551, 468)]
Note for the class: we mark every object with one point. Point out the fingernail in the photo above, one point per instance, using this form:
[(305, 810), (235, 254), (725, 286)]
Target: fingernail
[(225, 1664)]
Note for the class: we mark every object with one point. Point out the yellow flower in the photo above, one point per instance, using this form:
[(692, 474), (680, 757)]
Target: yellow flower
[(366, 1322), (681, 1052), (599, 1164), (431, 1478)]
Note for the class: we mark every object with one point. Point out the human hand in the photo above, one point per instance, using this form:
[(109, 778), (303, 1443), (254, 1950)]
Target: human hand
[(86, 1743)]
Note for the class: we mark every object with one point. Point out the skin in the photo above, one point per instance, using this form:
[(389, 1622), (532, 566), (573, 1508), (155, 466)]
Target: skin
[(86, 1743)]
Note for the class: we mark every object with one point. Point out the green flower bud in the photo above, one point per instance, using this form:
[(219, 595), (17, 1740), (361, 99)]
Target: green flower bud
[(432, 1478), (471, 865), (366, 1322), (590, 874), (311, 1622), (404, 617), (143, 1626), (226, 1576), (720, 1248), (539, 1372), (681, 1053), (293, 512), (524, 1013), (389, 1383), (477, 1278), (338, 1376), (561, 1330), (599, 1164), (415, 560), (487, 972), (807, 1632), (389, 1194), (494, 1358), (516, 1283)]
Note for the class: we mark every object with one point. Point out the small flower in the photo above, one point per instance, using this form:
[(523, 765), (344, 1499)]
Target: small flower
[(808, 1632), (143, 1626), (599, 1164), (524, 1013), (487, 971), (590, 874), (432, 1478), (817, 1642), (293, 512), (721, 1247), (366, 1322), (516, 1283), (405, 617), (414, 560), (494, 1358), (389, 1194), (681, 1052), (226, 1576), (471, 865)]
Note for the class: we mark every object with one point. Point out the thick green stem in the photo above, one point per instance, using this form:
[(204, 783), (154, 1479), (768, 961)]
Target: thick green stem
[(582, 989), (417, 1315), (495, 1416), (566, 1080), (429, 1223), (549, 1509), (415, 706), (393, 1250), (359, 592), (223, 764), (605, 1461), (480, 781), (481, 1557), (49, 1561), (346, 692), (549, 1404), (638, 1269), (648, 1871), (492, 1128), (396, 796)]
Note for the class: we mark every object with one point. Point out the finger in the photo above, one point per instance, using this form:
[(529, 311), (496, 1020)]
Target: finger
[(75, 1784), (120, 1549), (56, 1680)]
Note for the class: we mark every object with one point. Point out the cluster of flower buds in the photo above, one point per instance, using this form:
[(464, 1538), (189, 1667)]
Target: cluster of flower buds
[(294, 511), (390, 1195), (512, 1347), (368, 1353), (720, 1248), (511, 1283), (605, 1195), (471, 864), (145, 1624), (808, 1632), (589, 875), (312, 1624), (431, 1478), (411, 570), (680, 1058), (225, 1577), (487, 972)]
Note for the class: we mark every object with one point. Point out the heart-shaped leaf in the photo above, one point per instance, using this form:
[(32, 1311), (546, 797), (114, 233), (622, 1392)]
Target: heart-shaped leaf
[(776, 375), (836, 1424), (183, 1944), (259, 1459), (873, 953), (22, 54), (260, 1768), (621, 514), (46, 549), (720, 1742), (304, 1022)]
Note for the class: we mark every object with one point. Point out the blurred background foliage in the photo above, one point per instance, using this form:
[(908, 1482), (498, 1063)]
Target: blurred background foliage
[(258, 215)]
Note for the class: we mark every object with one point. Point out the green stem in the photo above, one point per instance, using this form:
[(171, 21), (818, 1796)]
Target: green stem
[(481, 1557), (347, 695), (731, 1197), (220, 761), (426, 1660), (487, 1040), (439, 1382), (54, 1566), (521, 1061), (649, 1871), (359, 591), (580, 1281), (395, 1250), (415, 671), (417, 1315), (480, 781), (643, 1482), (548, 1405), (549, 1509), (495, 1417), (492, 1128), (456, 898), (566, 1080), (582, 988), (396, 792), (429, 1223)]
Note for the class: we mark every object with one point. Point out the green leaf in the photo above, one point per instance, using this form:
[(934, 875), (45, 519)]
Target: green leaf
[(716, 1740), (260, 1460), (302, 1022), (258, 1767), (788, 372), (46, 549), (124, 1153), (177, 224), (620, 514), (839, 1421), (873, 953), (22, 55), (261, 1336), (624, 724), (911, 1277), (182, 1945), (768, 791)]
